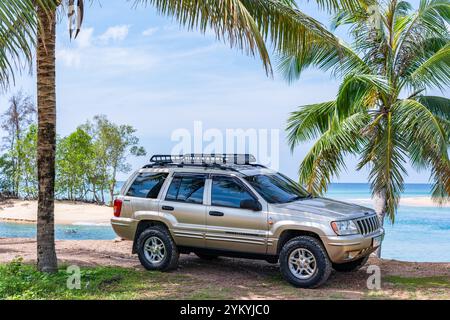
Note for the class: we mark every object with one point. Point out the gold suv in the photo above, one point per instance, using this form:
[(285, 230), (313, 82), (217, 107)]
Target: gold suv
[(226, 205)]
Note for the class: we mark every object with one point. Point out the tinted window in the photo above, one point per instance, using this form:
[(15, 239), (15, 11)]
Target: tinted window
[(226, 191), (188, 188), (147, 185), (276, 188)]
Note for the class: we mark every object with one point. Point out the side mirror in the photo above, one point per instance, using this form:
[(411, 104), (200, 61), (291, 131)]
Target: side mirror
[(251, 204)]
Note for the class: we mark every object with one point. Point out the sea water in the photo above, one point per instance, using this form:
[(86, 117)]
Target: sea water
[(418, 233)]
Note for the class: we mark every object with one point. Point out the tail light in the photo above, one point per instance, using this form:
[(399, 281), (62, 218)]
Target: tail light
[(117, 207)]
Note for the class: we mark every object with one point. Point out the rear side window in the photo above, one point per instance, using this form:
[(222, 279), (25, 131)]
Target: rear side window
[(227, 192), (187, 188), (147, 185)]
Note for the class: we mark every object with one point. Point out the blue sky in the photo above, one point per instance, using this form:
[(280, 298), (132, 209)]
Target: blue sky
[(141, 69)]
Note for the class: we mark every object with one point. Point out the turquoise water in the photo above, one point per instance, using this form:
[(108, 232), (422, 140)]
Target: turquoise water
[(418, 234), (62, 232)]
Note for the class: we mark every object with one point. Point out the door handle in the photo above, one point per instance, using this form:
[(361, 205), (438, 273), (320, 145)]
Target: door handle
[(168, 208), (216, 213)]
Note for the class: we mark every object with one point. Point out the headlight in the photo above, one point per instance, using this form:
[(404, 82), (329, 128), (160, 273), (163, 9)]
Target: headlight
[(344, 228)]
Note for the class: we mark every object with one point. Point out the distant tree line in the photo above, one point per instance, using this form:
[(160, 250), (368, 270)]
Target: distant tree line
[(87, 160)]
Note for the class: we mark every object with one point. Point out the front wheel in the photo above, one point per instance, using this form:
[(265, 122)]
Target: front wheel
[(156, 249), (304, 262), (350, 266)]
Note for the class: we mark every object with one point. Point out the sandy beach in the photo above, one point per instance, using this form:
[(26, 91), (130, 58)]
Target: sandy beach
[(406, 201), (66, 212)]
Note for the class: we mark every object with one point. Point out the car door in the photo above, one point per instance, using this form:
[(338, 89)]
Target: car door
[(144, 190), (228, 226), (183, 205)]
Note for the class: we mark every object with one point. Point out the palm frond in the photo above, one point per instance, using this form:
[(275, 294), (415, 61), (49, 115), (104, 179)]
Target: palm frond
[(439, 106), (326, 158), (309, 122), (435, 71), (248, 24), (387, 166), (340, 59), (413, 33), (427, 142), (357, 91), (17, 34)]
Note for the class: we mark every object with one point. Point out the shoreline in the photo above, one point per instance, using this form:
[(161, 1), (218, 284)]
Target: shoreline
[(89, 214), (415, 201)]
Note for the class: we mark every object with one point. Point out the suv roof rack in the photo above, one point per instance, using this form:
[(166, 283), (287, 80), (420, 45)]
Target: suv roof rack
[(201, 158), (220, 161)]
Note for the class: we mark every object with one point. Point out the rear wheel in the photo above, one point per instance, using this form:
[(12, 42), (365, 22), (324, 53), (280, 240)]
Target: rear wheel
[(205, 256), (350, 266), (156, 249), (304, 262)]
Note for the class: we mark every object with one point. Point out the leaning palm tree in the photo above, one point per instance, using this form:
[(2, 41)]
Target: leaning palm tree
[(245, 24), (382, 112)]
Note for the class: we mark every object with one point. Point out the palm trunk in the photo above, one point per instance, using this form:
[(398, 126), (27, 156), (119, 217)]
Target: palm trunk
[(380, 205), (46, 84)]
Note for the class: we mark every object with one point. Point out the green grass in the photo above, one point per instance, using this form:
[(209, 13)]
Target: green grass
[(21, 281), (419, 282)]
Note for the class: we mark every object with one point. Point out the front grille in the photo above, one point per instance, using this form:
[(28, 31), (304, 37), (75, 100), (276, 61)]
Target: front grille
[(368, 225)]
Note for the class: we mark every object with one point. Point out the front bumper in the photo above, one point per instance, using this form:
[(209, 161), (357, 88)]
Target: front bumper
[(125, 228), (343, 249)]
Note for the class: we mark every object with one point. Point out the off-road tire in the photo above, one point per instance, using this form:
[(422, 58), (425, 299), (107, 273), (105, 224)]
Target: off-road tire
[(350, 266), (170, 260), (205, 256), (323, 263)]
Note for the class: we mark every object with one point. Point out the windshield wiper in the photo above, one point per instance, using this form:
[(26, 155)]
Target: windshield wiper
[(309, 196)]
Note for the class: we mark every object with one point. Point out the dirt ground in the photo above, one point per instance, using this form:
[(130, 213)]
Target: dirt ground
[(251, 279)]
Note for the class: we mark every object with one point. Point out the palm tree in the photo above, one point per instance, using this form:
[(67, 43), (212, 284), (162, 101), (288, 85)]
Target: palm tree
[(381, 112), (245, 24)]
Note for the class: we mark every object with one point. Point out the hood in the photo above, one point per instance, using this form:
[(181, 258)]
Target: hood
[(324, 207)]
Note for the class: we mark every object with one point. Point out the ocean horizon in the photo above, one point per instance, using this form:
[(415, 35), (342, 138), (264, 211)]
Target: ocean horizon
[(419, 233)]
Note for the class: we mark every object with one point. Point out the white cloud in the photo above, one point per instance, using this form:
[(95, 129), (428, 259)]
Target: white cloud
[(84, 38), (150, 31), (116, 33), (70, 58)]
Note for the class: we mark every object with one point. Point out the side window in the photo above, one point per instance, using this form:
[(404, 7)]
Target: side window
[(187, 188), (147, 185), (226, 192)]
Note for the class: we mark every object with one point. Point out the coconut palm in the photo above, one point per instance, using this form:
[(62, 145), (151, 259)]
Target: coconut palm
[(245, 24), (382, 112)]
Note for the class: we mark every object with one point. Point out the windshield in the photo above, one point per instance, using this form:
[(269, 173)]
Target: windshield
[(277, 188)]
